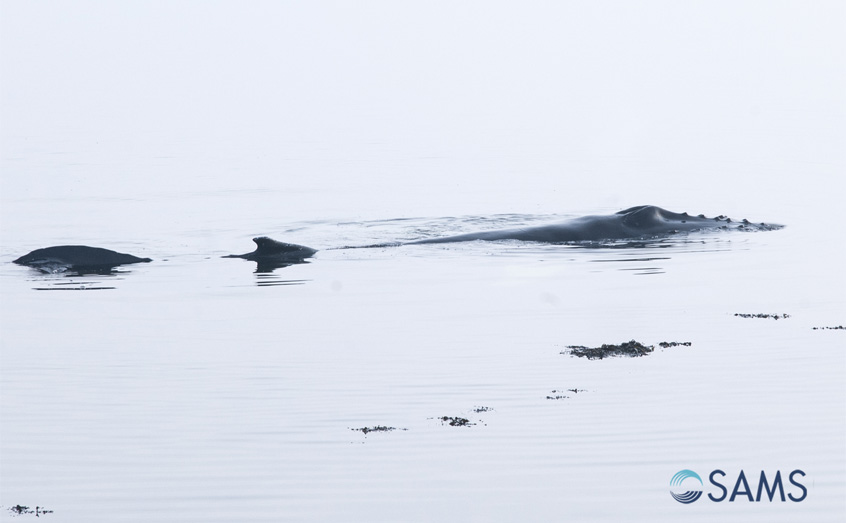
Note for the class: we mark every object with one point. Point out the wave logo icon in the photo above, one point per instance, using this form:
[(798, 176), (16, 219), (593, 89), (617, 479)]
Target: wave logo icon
[(676, 484)]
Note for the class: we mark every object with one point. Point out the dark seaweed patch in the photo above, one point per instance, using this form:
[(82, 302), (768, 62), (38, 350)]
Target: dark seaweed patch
[(456, 421), (632, 349), (666, 344), (837, 328), (19, 510), (556, 395), (773, 316), (559, 394), (482, 409), (377, 428)]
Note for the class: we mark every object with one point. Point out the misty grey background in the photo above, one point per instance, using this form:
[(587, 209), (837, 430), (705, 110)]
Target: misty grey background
[(180, 130), (458, 107)]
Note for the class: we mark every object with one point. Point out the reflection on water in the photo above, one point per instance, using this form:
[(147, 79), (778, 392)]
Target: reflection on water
[(641, 271), (77, 270), (269, 280), (69, 280), (84, 286), (266, 267)]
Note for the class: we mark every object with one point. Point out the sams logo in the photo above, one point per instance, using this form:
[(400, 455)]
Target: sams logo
[(686, 496), (686, 487)]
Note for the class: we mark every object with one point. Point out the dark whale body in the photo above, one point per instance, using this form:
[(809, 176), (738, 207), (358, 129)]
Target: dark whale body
[(644, 221), (79, 258), (636, 223), (271, 254)]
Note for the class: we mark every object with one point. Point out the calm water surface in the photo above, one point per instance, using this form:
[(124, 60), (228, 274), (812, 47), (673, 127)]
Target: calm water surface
[(194, 387)]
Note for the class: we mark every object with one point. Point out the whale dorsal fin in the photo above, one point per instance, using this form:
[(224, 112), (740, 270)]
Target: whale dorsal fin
[(265, 246), (269, 247)]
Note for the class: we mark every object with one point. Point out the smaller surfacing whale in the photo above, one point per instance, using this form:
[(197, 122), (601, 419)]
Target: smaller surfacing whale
[(271, 254), (79, 258)]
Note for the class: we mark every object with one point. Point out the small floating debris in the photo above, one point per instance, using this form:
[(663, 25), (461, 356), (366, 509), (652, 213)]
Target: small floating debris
[(773, 316), (667, 344), (838, 328), (456, 421), (632, 349), (556, 395), (19, 510), (377, 428), (559, 394), (482, 409)]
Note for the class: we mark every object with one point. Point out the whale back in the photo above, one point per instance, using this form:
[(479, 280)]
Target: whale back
[(643, 221), (78, 256), (648, 219)]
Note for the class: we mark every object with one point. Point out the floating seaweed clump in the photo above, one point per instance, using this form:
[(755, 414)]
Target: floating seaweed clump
[(559, 394), (666, 344), (377, 428), (456, 421), (773, 316), (838, 328), (18, 510), (632, 349)]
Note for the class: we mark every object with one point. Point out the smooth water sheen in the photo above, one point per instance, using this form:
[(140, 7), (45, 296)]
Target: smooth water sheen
[(193, 388)]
